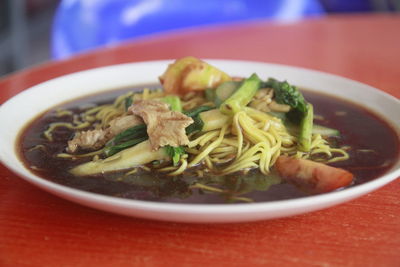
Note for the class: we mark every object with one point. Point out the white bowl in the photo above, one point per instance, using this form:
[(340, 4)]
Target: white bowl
[(19, 110)]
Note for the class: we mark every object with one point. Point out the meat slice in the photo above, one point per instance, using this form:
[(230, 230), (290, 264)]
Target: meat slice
[(89, 140), (122, 123), (164, 127), (95, 139)]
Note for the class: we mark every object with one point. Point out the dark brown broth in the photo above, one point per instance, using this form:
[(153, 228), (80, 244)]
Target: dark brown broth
[(374, 150)]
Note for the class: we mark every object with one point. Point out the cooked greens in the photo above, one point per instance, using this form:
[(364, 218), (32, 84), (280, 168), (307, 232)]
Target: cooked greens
[(126, 139), (301, 112), (242, 96), (175, 153), (223, 92), (173, 101), (289, 95), (198, 123)]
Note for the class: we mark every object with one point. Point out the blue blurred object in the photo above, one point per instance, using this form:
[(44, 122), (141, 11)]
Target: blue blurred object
[(81, 25), (348, 5)]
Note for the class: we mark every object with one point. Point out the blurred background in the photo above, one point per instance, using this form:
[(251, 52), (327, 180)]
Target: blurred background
[(35, 31)]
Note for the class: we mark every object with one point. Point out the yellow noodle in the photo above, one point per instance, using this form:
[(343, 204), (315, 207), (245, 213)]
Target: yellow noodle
[(106, 114), (222, 158), (209, 148), (206, 187), (200, 173), (239, 134), (133, 171), (208, 162), (145, 94), (252, 133), (145, 168), (88, 118), (94, 110), (63, 112), (66, 155), (41, 147), (181, 168), (120, 100), (261, 152), (168, 169), (230, 142), (345, 155), (221, 149), (208, 136), (53, 126), (192, 151), (193, 99)]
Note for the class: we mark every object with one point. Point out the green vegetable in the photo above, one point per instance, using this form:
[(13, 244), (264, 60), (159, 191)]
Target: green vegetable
[(306, 125), (325, 131), (301, 112), (212, 119), (287, 94), (131, 157), (224, 91), (243, 95), (196, 111), (210, 94), (196, 126), (207, 120), (111, 150), (280, 115), (316, 129), (125, 139), (128, 102), (173, 101), (198, 123), (130, 133), (175, 153)]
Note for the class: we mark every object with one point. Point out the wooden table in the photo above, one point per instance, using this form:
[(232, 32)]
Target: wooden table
[(39, 229)]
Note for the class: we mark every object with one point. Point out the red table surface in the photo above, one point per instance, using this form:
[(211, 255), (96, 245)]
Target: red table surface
[(39, 229)]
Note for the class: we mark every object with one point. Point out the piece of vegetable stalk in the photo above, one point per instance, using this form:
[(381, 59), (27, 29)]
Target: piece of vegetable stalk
[(205, 119), (306, 127), (173, 101), (242, 96), (134, 156), (222, 92)]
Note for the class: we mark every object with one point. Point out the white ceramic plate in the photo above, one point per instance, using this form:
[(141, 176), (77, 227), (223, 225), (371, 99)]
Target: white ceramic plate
[(19, 110)]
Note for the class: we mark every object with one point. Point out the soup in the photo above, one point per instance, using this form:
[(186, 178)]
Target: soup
[(348, 137)]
